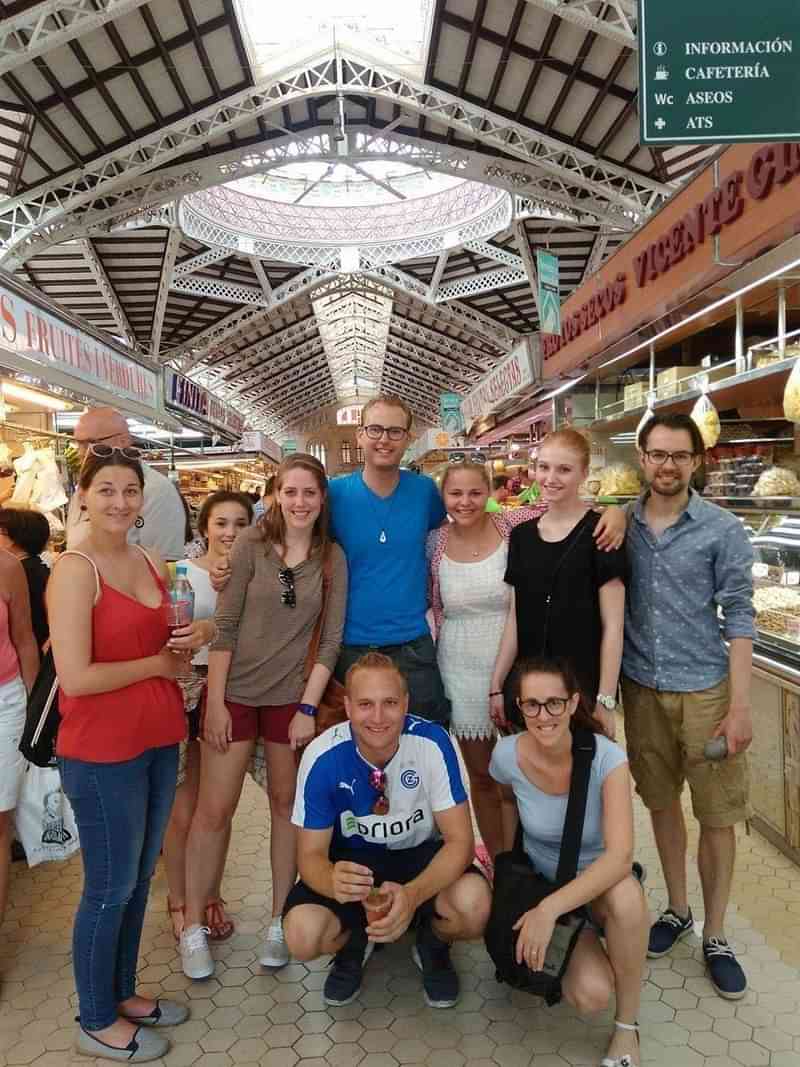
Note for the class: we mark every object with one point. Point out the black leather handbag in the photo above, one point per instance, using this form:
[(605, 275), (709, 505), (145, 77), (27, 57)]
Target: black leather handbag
[(38, 741), (518, 887)]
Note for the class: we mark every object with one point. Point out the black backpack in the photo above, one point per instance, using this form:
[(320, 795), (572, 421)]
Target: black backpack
[(518, 887), (42, 719)]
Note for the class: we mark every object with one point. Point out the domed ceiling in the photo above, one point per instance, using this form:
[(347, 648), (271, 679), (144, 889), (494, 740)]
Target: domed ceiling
[(297, 205)]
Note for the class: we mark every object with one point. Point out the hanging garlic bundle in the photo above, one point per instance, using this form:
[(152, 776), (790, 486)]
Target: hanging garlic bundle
[(791, 394), (705, 415)]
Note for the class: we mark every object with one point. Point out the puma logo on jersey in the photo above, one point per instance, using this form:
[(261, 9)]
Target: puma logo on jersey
[(351, 788)]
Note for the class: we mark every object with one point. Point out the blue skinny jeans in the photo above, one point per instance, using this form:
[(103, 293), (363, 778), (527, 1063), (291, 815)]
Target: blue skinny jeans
[(122, 811)]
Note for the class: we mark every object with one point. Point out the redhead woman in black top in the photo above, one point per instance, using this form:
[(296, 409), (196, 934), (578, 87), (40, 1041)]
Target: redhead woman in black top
[(567, 596)]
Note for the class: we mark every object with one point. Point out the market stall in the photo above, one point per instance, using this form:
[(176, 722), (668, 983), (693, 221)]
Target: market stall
[(52, 367), (243, 467), (699, 312)]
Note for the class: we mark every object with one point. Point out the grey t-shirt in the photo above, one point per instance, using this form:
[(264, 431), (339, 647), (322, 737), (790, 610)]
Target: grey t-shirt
[(543, 814)]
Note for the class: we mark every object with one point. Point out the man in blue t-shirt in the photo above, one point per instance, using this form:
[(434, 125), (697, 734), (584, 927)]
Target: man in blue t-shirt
[(380, 804), (381, 517)]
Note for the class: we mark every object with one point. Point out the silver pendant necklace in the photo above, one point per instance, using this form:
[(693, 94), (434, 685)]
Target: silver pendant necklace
[(475, 552), (382, 538)]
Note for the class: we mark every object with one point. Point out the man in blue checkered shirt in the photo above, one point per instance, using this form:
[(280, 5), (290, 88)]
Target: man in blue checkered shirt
[(686, 679)]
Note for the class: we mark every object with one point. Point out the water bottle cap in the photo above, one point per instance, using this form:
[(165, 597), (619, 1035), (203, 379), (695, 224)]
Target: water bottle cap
[(181, 570)]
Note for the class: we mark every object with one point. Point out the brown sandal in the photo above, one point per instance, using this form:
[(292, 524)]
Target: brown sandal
[(175, 909), (220, 927)]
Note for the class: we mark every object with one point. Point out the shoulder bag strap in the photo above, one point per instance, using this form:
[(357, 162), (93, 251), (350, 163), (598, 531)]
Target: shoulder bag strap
[(316, 636), (91, 562), (578, 533), (47, 663), (583, 749)]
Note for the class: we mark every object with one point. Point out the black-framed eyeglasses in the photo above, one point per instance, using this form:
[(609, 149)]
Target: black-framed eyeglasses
[(377, 780), (107, 451), (659, 457), (286, 578), (375, 432), (554, 706)]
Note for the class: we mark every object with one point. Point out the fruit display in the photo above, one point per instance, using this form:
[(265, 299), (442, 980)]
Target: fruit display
[(73, 459), (777, 481), (619, 479)]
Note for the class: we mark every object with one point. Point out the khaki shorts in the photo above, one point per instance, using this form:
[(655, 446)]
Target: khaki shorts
[(666, 734)]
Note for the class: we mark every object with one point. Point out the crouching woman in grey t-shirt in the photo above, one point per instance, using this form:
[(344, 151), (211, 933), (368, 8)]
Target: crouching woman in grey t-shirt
[(536, 766)]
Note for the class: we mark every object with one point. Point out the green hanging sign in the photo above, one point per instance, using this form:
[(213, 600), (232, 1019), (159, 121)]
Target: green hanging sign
[(450, 417), (549, 292), (719, 71)]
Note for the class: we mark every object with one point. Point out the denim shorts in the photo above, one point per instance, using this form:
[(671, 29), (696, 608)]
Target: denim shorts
[(416, 660)]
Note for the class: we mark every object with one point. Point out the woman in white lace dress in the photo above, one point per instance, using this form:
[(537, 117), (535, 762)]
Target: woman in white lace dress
[(469, 600)]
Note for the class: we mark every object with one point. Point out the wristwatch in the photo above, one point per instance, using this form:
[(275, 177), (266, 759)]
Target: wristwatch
[(609, 703)]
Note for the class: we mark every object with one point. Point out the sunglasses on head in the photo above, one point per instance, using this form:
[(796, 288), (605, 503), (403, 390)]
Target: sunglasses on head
[(377, 780), (107, 451), (286, 578)]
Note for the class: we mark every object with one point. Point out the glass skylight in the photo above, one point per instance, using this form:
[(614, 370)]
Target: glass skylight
[(398, 26), (320, 183), (354, 328)]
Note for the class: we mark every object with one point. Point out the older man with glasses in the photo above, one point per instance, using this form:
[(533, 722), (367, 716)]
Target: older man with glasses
[(684, 685), (162, 521)]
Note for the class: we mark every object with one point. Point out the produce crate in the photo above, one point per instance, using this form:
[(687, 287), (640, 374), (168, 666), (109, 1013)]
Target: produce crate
[(669, 381), (675, 380), (635, 395)]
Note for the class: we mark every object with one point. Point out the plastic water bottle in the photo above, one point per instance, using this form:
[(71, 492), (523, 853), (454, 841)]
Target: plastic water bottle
[(181, 600)]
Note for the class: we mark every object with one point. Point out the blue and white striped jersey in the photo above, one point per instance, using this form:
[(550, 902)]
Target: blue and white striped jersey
[(333, 788)]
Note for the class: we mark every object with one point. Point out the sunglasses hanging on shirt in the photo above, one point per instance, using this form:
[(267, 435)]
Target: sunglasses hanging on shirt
[(286, 578), (377, 780)]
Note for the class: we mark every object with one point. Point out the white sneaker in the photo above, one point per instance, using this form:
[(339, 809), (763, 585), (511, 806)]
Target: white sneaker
[(195, 954), (275, 953)]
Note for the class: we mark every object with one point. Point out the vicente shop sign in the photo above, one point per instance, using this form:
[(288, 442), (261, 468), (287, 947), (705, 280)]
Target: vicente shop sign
[(509, 377), (769, 167), (39, 336), (182, 394)]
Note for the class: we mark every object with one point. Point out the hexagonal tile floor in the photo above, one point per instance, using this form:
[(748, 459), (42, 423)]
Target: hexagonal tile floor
[(246, 1016)]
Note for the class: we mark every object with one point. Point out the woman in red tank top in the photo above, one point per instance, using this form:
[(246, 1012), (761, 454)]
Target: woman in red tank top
[(122, 719)]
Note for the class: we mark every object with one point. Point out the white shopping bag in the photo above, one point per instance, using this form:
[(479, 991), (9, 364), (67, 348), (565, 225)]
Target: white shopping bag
[(45, 821)]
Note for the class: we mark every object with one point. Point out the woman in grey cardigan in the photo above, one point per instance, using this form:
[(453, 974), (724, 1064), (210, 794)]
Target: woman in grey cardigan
[(259, 685)]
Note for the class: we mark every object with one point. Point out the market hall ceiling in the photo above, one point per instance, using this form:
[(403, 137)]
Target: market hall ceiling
[(122, 123)]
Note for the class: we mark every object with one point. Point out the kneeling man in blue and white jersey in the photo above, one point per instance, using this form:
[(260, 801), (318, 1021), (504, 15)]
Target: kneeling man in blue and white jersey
[(381, 804)]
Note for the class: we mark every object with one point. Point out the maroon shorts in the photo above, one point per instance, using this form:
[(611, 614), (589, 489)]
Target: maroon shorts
[(270, 721)]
